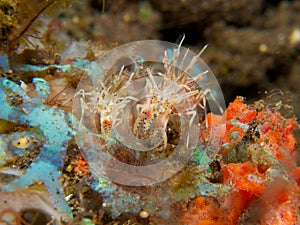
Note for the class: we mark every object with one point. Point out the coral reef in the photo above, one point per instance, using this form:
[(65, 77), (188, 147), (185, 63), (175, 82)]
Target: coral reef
[(147, 139)]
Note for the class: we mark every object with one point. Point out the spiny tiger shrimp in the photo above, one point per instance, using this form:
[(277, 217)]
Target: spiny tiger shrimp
[(96, 105), (163, 98)]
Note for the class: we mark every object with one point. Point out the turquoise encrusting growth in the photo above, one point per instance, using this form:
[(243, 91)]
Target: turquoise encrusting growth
[(91, 68), (56, 128), (4, 64)]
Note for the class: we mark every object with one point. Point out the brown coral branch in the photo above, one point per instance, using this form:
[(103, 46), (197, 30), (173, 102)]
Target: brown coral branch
[(13, 43)]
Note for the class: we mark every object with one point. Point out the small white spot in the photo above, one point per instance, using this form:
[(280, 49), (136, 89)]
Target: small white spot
[(23, 85), (144, 214), (294, 37), (263, 48), (76, 19), (67, 198)]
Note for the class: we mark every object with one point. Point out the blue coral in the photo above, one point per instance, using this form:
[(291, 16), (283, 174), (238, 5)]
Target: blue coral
[(56, 128)]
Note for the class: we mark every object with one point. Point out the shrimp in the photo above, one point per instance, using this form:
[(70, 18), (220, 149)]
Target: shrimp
[(103, 102), (174, 93)]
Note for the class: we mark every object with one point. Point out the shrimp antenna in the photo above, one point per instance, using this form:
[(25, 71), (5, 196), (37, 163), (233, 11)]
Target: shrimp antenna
[(202, 50), (180, 39)]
